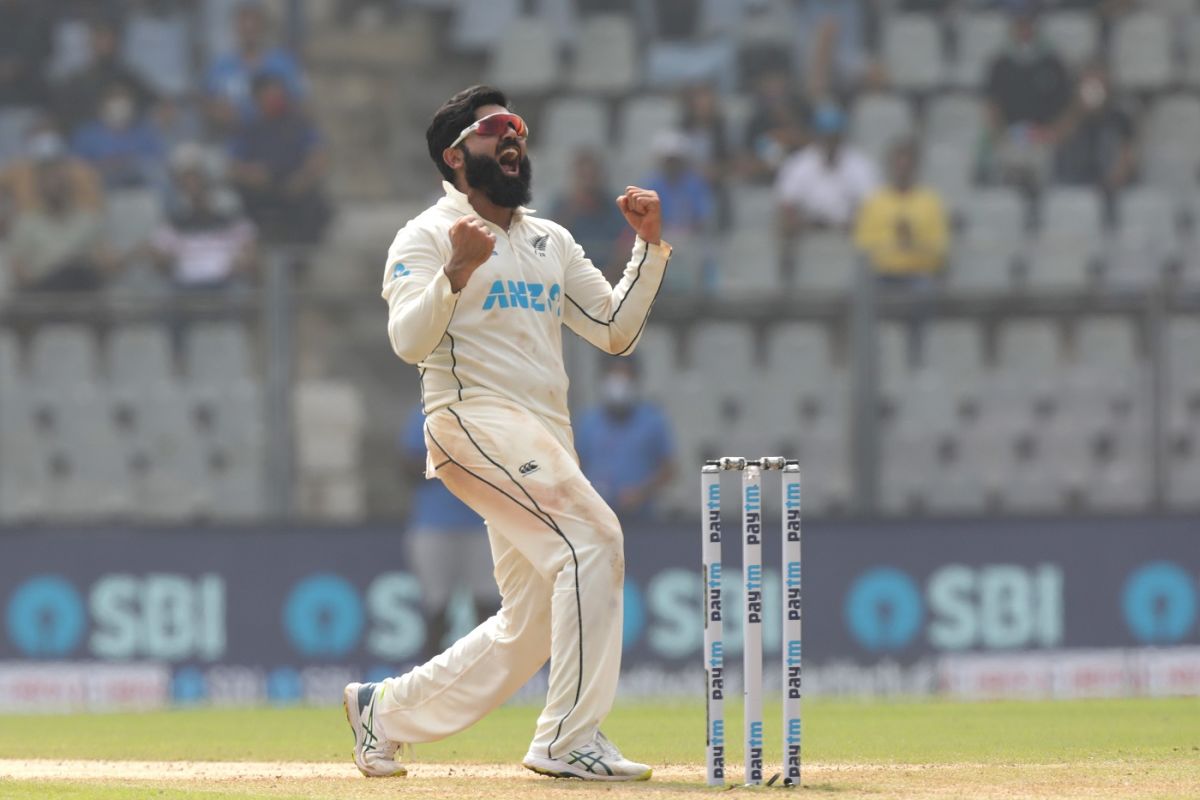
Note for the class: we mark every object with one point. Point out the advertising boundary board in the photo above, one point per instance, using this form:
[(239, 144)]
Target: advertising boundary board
[(1060, 607)]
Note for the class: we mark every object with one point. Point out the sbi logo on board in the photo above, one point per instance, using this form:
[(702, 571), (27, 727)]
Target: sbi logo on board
[(1006, 606)]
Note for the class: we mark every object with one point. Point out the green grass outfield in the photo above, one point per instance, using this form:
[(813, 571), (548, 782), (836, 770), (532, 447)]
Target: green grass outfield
[(1111, 748)]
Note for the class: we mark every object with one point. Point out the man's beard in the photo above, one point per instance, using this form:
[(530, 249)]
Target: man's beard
[(506, 191)]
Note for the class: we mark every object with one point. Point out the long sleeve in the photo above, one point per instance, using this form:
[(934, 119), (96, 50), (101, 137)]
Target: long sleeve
[(612, 317), (417, 291)]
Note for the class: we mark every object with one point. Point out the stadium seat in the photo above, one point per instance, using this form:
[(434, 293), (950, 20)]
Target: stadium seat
[(133, 217), (878, 120), (640, 118), (656, 352), (1027, 382), (988, 247), (1146, 239), (571, 123), (912, 52), (10, 361), (1141, 51), (168, 472), (981, 36), (63, 355), (1170, 156), (526, 61), (1192, 52), (562, 17), (954, 348), (607, 60), (15, 124), (217, 352), (749, 265), (949, 168), (87, 474), (956, 120), (827, 263), (139, 355), (479, 25), (1074, 35), (1066, 251), (1183, 420), (329, 421)]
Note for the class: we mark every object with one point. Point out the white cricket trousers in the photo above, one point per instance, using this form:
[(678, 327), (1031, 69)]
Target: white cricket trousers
[(560, 567)]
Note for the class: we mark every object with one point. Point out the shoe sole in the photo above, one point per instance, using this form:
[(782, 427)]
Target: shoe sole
[(350, 700), (587, 776)]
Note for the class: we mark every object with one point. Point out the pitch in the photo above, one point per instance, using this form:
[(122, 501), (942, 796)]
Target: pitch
[(912, 749)]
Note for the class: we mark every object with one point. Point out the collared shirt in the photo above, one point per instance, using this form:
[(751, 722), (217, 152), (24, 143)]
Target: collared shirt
[(501, 335), (903, 233), (824, 192)]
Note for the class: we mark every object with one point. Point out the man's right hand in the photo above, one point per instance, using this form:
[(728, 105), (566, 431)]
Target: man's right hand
[(471, 245)]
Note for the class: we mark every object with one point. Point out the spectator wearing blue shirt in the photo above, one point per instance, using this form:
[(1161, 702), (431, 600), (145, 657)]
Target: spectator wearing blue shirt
[(689, 209), (625, 444), (447, 545), (123, 145), (229, 84), (279, 167)]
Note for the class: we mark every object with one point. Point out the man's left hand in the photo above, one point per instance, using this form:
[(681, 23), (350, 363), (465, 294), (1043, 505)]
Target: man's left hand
[(643, 212)]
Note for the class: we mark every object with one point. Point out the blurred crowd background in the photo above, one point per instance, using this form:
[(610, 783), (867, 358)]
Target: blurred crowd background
[(945, 252)]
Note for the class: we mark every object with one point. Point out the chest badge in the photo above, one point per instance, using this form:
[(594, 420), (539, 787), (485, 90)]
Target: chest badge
[(539, 244)]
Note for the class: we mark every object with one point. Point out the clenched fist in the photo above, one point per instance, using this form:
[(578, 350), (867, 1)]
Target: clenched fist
[(471, 245), (643, 212)]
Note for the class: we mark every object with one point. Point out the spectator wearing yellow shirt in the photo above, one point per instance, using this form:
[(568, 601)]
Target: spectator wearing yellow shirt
[(902, 227)]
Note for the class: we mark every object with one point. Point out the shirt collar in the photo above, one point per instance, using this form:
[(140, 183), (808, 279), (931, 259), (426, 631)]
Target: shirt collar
[(459, 202)]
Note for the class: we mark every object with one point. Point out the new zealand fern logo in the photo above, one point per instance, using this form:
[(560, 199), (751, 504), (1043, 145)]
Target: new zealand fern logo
[(539, 244)]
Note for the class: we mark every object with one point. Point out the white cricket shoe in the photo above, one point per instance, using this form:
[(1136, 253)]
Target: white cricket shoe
[(598, 761), (374, 755)]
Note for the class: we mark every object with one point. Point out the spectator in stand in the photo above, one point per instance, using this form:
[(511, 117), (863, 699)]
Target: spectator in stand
[(279, 166), (123, 145), (902, 228), (689, 210), (681, 52), (1098, 145), (20, 189), (625, 445), (206, 244), (822, 186), (1029, 96), (588, 211), (56, 238), (25, 49), (77, 98), (778, 124), (833, 47), (447, 544), (158, 46), (229, 84), (704, 126)]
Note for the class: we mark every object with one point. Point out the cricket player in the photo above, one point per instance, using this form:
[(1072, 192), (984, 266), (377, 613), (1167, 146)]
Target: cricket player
[(478, 289)]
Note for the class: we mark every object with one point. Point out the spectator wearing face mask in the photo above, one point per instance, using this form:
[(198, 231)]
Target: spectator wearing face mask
[(121, 143), (279, 166), (1029, 93), (56, 240), (1098, 146), (625, 444)]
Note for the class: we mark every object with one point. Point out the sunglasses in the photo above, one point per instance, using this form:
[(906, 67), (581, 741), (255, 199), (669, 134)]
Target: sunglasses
[(494, 125)]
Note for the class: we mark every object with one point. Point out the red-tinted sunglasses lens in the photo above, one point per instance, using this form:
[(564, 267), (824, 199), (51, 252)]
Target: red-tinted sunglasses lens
[(498, 124)]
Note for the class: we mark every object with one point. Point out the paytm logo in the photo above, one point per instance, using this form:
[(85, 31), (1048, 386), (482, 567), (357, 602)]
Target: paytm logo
[(527, 295)]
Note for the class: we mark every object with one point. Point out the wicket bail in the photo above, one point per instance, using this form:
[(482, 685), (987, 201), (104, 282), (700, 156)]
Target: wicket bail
[(752, 575)]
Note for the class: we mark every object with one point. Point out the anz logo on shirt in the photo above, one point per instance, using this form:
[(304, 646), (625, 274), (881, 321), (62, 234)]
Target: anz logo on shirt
[(524, 295)]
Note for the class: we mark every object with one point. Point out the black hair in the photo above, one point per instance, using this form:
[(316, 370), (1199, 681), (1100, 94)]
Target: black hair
[(455, 114)]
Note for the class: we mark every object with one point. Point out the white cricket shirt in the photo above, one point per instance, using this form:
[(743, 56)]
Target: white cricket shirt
[(501, 336)]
